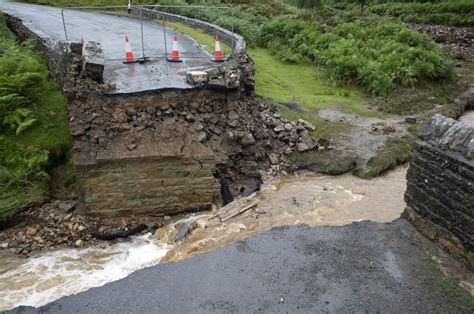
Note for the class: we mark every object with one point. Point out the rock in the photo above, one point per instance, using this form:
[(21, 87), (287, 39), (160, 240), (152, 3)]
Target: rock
[(288, 127), (247, 139), (279, 128), (197, 77), (81, 228), (30, 231), (120, 116), (252, 186), (4, 245), (202, 136), (301, 147), (273, 158), (131, 146), (306, 141), (307, 125), (332, 162), (233, 115), (78, 242), (183, 230), (190, 118), (163, 105), (38, 239), (234, 123), (67, 206), (410, 120), (388, 128)]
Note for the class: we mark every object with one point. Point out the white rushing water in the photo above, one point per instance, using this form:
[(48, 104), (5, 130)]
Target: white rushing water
[(52, 275)]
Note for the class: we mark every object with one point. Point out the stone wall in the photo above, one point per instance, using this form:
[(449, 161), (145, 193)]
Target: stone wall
[(58, 54), (66, 59), (440, 185), (230, 38)]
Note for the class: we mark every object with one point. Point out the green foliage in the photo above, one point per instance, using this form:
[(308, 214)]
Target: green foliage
[(454, 13), (375, 54), (33, 125)]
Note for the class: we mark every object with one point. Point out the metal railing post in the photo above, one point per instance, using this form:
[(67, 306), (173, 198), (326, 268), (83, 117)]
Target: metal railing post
[(233, 35), (64, 24), (164, 34), (141, 29)]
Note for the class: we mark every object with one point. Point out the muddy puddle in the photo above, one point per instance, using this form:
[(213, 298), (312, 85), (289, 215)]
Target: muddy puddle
[(310, 199)]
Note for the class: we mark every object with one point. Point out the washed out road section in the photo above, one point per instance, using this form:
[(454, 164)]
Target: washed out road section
[(110, 30), (362, 267)]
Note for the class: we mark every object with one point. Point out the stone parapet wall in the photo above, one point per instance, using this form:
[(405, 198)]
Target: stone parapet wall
[(227, 36), (440, 185), (66, 59)]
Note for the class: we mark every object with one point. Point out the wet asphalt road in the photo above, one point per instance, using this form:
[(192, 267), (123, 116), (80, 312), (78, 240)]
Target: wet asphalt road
[(359, 268), (110, 31)]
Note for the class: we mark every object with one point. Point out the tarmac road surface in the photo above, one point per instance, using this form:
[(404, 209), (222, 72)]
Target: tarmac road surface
[(364, 267), (110, 31)]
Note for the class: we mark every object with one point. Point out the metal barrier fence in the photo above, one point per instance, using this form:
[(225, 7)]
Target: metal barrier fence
[(141, 9)]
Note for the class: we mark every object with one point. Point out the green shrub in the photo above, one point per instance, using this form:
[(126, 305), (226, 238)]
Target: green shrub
[(33, 125), (454, 13), (375, 54)]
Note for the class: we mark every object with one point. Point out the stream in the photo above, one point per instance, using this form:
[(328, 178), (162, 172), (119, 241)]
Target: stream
[(303, 198)]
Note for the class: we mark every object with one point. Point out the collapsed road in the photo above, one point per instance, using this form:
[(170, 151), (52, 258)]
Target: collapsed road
[(110, 31), (357, 268)]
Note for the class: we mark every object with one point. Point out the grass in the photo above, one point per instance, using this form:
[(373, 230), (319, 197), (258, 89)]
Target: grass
[(448, 286)]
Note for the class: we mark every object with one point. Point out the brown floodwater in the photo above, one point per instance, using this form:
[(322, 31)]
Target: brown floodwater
[(303, 198)]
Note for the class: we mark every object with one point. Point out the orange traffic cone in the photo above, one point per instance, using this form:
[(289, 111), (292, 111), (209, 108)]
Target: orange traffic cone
[(129, 58), (218, 52), (175, 51)]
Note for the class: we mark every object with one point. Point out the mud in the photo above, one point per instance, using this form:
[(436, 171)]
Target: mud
[(366, 135)]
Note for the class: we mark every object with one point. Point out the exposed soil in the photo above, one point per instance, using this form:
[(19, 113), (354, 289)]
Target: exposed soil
[(367, 135)]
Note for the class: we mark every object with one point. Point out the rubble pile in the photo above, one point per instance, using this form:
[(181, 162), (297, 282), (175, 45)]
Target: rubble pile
[(58, 224), (459, 40)]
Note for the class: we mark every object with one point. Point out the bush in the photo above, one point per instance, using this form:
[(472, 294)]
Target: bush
[(454, 13), (33, 125), (375, 54)]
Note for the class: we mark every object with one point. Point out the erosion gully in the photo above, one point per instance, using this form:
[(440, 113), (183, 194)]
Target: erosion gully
[(302, 198)]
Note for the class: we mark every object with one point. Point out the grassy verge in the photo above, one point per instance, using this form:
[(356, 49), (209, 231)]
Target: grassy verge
[(34, 130), (448, 286)]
